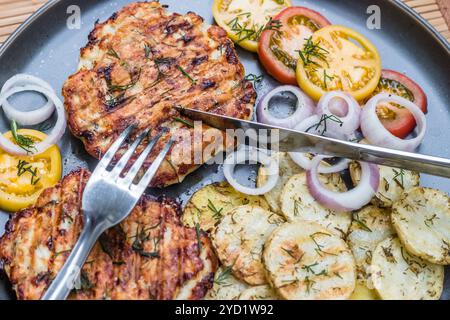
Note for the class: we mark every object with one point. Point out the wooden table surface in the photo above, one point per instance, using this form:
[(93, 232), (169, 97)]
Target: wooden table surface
[(14, 12)]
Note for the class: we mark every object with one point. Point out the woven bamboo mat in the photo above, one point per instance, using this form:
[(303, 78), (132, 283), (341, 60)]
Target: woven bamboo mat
[(14, 12)]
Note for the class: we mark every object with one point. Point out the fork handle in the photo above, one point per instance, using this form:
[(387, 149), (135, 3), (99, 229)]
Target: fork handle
[(64, 282)]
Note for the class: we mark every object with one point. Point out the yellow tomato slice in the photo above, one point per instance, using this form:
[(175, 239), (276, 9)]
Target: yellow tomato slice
[(23, 178), (245, 20), (338, 58)]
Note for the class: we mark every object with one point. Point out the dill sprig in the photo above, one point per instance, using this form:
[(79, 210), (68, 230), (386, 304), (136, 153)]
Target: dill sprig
[(24, 167), (185, 122), (198, 232), (361, 223), (217, 214), (256, 80), (147, 50), (323, 123), (24, 142), (111, 52), (134, 80), (187, 75), (246, 32), (399, 174), (319, 247), (313, 51), (224, 275)]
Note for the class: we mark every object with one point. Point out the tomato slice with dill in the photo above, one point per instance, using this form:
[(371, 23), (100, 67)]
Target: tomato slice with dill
[(278, 49), (398, 120)]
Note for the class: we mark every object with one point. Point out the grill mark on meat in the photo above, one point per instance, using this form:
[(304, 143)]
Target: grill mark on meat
[(232, 58), (206, 84), (199, 60)]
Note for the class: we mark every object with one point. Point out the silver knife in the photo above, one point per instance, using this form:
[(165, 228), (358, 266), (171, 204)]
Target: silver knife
[(296, 141)]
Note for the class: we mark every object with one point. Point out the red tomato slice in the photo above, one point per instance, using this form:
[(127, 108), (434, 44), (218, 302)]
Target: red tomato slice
[(398, 120), (278, 49)]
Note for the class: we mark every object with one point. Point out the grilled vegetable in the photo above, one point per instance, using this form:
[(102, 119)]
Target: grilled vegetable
[(304, 261), (226, 286), (369, 227), (239, 240), (397, 275), (288, 168), (298, 204), (210, 204), (393, 183), (422, 220)]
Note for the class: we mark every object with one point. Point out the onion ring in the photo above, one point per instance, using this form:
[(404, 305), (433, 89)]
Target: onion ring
[(255, 155), (351, 200), (342, 106), (56, 133), (304, 161), (305, 108), (374, 131), (26, 118)]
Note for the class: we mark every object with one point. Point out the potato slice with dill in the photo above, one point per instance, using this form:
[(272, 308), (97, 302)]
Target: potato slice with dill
[(370, 226), (288, 168), (298, 204), (393, 183), (422, 220), (305, 261), (239, 239), (397, 275), (226, 286), (264, 292), (210, 204)]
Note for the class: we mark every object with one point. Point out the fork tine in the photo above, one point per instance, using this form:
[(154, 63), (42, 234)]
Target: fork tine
[(109, 155), (131, 174), (115, 173), (150, 173)]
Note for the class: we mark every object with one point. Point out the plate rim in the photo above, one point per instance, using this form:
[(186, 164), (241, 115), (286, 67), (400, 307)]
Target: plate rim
[(398, 3)]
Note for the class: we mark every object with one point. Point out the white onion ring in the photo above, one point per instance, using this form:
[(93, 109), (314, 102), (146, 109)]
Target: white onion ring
[(305, 108), (255, 155), (26, 118), (346, 109), (56, 133), (374, 131), (302, 159), (351, 200)]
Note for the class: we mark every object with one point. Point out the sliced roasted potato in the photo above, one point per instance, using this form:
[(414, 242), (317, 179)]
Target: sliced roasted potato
[(305, 261), (298, 204), (208, 205), (393, 183), (422, 220), (369, 227), (397, 275), (239, 239), (226, 286), (288, 168), (264, 292), (363, 293)]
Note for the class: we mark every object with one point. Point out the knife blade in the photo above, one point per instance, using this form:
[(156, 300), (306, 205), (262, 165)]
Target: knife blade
[(288, 140)]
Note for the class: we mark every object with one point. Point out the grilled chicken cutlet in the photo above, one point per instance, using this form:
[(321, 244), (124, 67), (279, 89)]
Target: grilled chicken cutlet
[(141, 63), (151, 255)]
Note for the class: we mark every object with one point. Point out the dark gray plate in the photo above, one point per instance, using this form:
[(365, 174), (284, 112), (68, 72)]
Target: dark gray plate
[(45, 47)]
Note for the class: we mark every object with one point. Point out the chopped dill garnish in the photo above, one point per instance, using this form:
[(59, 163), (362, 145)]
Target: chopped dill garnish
[(319, 247), (24, 167), (326, 77), (246, 32), (198, 232), (361, 223), (323, 123), (147, 50), (256, 80), (217, 214), (399, 174), (187, 75), (24, 142), (185, 122), (313, 50), (224, 275), (430, 221), (135, 79)]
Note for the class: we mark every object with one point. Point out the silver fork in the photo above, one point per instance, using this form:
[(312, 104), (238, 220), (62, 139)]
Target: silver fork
[(107, 200)]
